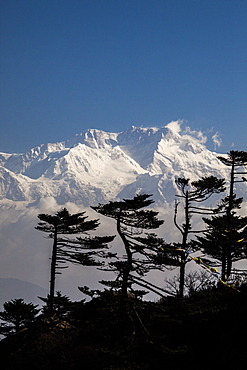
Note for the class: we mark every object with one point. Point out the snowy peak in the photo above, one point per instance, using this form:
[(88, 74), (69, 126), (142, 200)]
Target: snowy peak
[(138, 143), (94, 163), (93, 138), (178, 153), (142, 143), (97, 166), (34, 162), (12, 186)]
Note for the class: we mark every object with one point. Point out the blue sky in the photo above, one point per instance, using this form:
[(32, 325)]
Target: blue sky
[(70, 65)]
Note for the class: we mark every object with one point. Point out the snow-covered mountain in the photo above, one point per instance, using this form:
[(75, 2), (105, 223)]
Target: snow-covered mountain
[(96, 166), (90, 168)]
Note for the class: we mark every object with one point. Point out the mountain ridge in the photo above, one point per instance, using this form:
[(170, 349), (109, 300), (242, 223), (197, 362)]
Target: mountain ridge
[(99, 166)]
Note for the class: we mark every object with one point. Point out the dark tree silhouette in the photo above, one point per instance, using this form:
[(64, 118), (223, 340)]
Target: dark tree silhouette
[(236, 160), (86, 251), (16, 315), (61, 304), (192, 195), (61, 224), (131, 222), (218, 237)]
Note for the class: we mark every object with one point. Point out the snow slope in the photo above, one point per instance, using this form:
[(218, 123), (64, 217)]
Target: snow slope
[(96, 166)]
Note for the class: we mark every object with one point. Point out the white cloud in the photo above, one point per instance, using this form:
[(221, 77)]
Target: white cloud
[(216, 140), (174, 126), (47, 204), (199, 135)]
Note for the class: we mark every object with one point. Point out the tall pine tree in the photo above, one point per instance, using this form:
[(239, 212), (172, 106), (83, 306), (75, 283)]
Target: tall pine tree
[(59, 226), (192, 195), (218, 237), (222, 239), (131, 222)]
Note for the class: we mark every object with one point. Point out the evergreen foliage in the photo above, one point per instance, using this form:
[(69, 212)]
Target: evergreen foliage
[(63, 250), (235, 157), (222, 238), (218, 237), (112, 333), (86, 251), (62, 305), (131, 222), (192, 195), (16, 315)]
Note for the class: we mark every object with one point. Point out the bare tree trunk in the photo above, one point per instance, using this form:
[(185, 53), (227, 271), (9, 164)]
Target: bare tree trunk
[(223, 265), (181, 278), (229, 213), (128, 267), (53, 272), (184, 245)]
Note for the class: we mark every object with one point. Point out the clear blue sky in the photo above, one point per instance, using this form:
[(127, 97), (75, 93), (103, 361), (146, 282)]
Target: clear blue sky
[(69, 65)]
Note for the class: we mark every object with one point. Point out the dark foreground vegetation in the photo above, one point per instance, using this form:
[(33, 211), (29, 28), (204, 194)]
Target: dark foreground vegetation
[(204, 330), (117, 330)]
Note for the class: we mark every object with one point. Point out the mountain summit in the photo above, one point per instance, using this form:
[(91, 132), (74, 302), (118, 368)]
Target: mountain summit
[(96, 166)]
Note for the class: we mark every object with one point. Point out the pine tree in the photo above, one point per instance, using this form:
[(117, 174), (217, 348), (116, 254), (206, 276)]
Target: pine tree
[(236, 160), (63, 223), (192, 195), (131, 222), (86, 251), (16, 315), (61, 304), (218, 237)]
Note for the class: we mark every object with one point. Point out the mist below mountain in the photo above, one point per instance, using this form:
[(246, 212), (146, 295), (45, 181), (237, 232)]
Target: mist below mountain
[(14, 288)]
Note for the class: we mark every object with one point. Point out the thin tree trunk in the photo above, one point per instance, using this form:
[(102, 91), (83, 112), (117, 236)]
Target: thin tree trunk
[(229, 214), (128, 267), (53, 272), (223, 265), (181, 278), (184, 244), (17, 325), (229, 261)]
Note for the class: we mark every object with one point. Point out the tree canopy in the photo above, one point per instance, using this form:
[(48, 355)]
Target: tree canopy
[(16, 315), (131, 222), (62, 224)]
